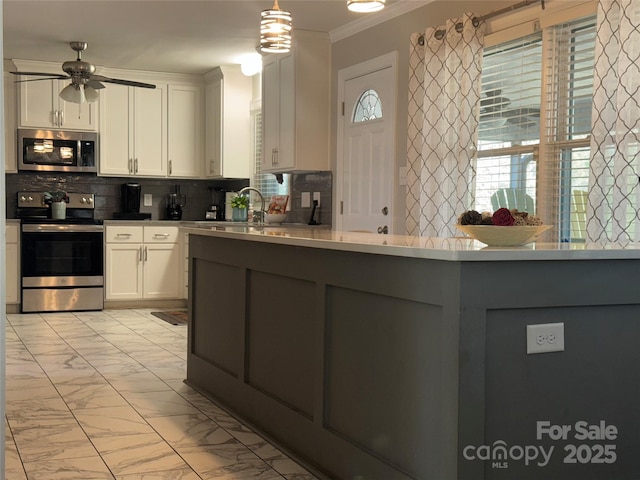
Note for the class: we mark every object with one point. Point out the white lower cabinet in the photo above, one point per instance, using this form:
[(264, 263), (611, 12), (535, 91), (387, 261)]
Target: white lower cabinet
[(12, 290), (143, 262)]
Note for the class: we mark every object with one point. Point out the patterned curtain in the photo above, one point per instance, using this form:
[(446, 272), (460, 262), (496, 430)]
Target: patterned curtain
[(614, 190), (444, 98)]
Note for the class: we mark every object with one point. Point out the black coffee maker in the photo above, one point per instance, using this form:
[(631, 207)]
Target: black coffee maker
[(130, 196), (130, 203)]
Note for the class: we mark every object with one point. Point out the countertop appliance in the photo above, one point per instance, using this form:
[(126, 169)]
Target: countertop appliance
[(61, 259), (216, 208), (130, 203), (57, 151), (175, 202)]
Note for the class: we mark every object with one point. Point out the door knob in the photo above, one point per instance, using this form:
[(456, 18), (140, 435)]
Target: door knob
[(383, 230), (385, 211)]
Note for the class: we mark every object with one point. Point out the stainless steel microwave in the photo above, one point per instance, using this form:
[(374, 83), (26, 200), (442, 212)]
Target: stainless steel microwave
[(57, 151)]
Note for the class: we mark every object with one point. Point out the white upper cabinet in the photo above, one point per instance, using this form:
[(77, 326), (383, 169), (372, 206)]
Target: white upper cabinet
[(41, 106), (10, 123), (134, 131), (185, 131), (152, 132), (295, 106), (228, 137)]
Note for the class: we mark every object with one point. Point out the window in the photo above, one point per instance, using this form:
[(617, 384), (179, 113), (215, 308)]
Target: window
[(535, 121), (368, 107), (267, 183)]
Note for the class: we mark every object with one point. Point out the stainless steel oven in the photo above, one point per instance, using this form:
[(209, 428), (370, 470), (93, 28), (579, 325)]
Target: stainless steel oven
[(61, 259)]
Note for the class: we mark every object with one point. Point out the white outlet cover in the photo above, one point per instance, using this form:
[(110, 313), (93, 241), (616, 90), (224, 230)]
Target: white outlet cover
[(316, 196), (545, 337), (148, 200)]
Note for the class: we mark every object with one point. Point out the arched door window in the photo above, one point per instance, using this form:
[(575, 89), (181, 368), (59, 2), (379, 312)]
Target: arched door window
[(368, 107)]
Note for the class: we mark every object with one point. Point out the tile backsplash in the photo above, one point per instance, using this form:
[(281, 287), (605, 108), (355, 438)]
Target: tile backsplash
[(197, 192)]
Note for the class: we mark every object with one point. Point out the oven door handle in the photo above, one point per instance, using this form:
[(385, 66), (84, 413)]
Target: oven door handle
[(62, 228)]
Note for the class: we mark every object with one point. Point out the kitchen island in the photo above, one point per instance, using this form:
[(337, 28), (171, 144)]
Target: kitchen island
[(392, 357)]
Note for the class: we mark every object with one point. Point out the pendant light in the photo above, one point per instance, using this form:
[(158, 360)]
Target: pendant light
[(275, 30), (365, 6)]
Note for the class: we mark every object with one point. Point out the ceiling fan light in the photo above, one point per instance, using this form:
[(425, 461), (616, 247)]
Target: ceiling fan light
[(91, 94), (73, 93), (275, 30), (365, 6)]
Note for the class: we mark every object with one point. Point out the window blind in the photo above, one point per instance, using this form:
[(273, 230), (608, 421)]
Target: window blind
[(568, 102), (509, 129), (535, 122)]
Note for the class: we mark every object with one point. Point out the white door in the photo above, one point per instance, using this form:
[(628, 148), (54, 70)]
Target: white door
[(367, 162)]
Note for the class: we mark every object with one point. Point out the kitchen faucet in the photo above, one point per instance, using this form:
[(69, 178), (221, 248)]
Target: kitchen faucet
[(262, 210)]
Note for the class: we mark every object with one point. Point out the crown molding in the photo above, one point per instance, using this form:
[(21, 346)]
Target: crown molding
[(369, 20)]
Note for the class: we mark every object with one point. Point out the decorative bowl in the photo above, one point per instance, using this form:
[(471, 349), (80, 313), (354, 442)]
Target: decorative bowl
[(496, 236), (275, 217)]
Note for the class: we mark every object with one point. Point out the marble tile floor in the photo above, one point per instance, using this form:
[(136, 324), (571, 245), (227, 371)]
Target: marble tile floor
[(100, 395)]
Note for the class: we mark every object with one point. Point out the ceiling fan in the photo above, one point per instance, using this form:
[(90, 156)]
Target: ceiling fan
[(494, 108), (84, 82)]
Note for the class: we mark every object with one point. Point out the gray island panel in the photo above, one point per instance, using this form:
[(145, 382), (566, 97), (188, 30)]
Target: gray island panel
[(384, 367)]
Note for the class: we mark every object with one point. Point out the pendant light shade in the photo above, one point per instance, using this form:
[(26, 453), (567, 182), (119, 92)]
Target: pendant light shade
[(365, 6), (76, 93), (275, 30)]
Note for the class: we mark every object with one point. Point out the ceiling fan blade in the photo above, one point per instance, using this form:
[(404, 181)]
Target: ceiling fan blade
[(117, 81), (95, 84), (41, 79), (40, 74)]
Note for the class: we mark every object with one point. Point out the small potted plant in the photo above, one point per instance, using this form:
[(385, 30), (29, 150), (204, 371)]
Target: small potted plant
[(58, 201), (240, 206)]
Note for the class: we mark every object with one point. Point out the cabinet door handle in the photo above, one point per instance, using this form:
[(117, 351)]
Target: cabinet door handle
[(140, 255), (61, 118), (125, 235), (170, 167), (55, 118), (131, 165), (274, 156), (135, 170), (161, 235), (145, 254)]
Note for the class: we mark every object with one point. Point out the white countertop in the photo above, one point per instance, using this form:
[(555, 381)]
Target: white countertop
[(452, 249)]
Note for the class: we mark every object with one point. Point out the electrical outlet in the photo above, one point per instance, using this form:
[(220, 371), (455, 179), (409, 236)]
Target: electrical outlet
[(316, 196), (546, 337), (306, 200), (148, 200)]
